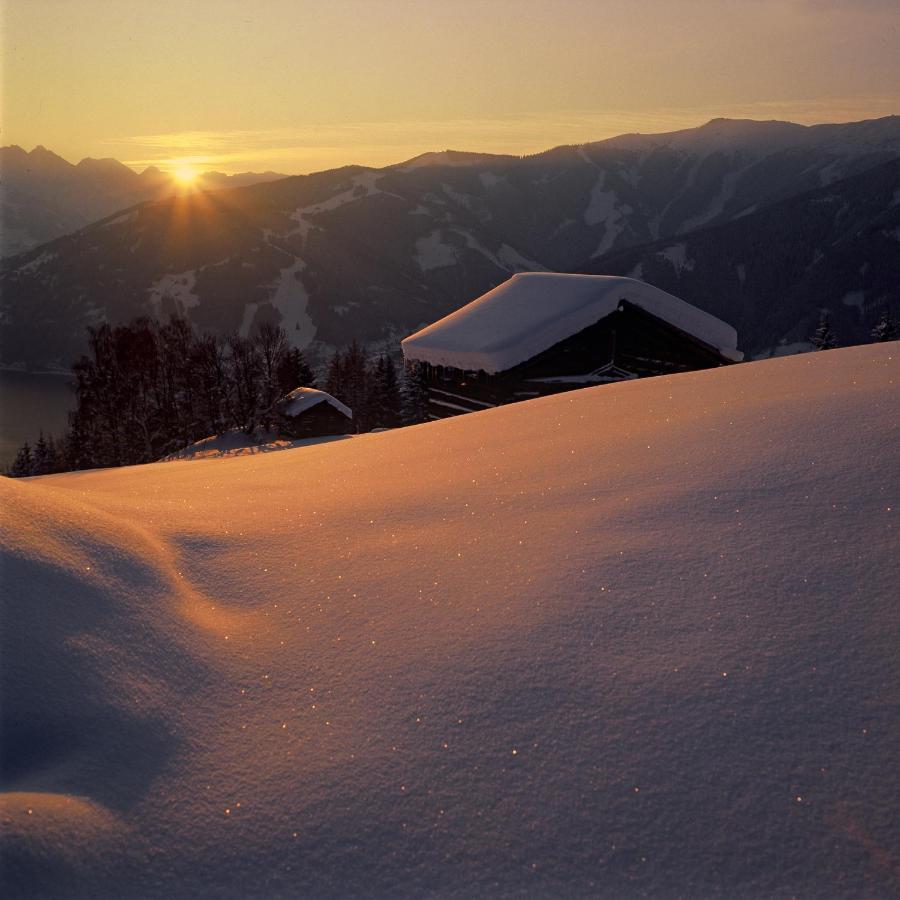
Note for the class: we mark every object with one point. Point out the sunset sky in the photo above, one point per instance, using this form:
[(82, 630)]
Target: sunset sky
[(297, 86)]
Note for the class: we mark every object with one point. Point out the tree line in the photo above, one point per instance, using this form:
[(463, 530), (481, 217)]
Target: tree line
[(147, 389), (884, 329)]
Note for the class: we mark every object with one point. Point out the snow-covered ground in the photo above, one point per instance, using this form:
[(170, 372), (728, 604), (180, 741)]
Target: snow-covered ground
[(179, 288), (291, 299), (677, 255), (602, 208), (238, 443), (638, 640)]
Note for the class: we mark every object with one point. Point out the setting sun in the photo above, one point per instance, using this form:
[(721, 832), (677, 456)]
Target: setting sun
[(185, 175)]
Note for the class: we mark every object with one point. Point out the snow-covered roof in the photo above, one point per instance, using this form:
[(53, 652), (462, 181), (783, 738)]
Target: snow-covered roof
[(535, 310), (301, 399)]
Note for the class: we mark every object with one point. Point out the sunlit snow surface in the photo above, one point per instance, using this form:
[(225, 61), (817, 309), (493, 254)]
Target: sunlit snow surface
[(634, 640)]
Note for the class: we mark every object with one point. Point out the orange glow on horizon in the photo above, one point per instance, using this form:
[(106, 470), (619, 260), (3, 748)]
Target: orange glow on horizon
[(266, 93)]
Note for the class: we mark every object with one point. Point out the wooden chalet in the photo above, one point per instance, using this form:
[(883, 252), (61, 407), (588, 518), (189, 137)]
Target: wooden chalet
[(306, 412), (542, 333)]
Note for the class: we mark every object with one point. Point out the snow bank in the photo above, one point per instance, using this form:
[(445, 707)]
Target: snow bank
[(237, 442), (535, 310), (634, 640), (786, 349)]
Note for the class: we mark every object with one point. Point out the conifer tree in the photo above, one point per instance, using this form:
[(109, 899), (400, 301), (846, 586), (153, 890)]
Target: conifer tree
[(76, 451), (356, 374), (294, 372), (415, 394), (384, 401), (347, 381), (886, 328), (44, 456), (824, 337), (334, 380), (392, 402), (23, 464), (53, 456)]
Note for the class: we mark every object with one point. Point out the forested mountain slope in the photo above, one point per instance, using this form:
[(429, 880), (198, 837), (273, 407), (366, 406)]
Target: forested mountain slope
[(771, 273)]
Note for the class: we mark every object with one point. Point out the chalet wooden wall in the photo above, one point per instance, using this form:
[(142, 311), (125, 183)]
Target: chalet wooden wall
[(317, 421), (630, 343)]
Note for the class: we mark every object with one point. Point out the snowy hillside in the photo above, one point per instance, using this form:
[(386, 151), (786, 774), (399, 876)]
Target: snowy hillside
[(636, 640), (771, 273)]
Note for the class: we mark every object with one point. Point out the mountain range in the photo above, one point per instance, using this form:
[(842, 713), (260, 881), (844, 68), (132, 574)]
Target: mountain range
[(772, 272), (762, 223), (44, 196)]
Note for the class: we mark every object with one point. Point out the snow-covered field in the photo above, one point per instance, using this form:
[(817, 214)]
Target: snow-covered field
[(635, 640), (237, 443)]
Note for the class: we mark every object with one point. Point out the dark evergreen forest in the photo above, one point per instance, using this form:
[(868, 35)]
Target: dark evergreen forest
[(148, 389)]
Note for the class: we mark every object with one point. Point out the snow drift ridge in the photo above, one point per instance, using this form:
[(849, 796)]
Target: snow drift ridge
[(631, 640)]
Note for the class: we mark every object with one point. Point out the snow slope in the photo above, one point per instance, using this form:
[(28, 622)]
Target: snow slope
[(236, 442), (634, 640)]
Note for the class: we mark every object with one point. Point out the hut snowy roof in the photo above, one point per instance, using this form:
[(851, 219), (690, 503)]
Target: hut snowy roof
[(532, 311), (299, 400)]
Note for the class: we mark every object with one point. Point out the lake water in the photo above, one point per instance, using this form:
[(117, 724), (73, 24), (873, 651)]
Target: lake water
[(29, 403)]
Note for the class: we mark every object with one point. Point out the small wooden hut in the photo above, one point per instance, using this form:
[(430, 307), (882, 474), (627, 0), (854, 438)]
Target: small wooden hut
[(306, 412)]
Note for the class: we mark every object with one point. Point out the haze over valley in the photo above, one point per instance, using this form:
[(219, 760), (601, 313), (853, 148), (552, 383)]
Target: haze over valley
[(45, 197)]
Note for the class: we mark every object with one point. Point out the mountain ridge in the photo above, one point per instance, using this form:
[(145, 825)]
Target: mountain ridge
[(373, 254)]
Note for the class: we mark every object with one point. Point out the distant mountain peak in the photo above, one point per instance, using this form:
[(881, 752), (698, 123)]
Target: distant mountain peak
[(41, 150), (746, 126), (45, 196), (455, 158), (107, 163), (45, 161)]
